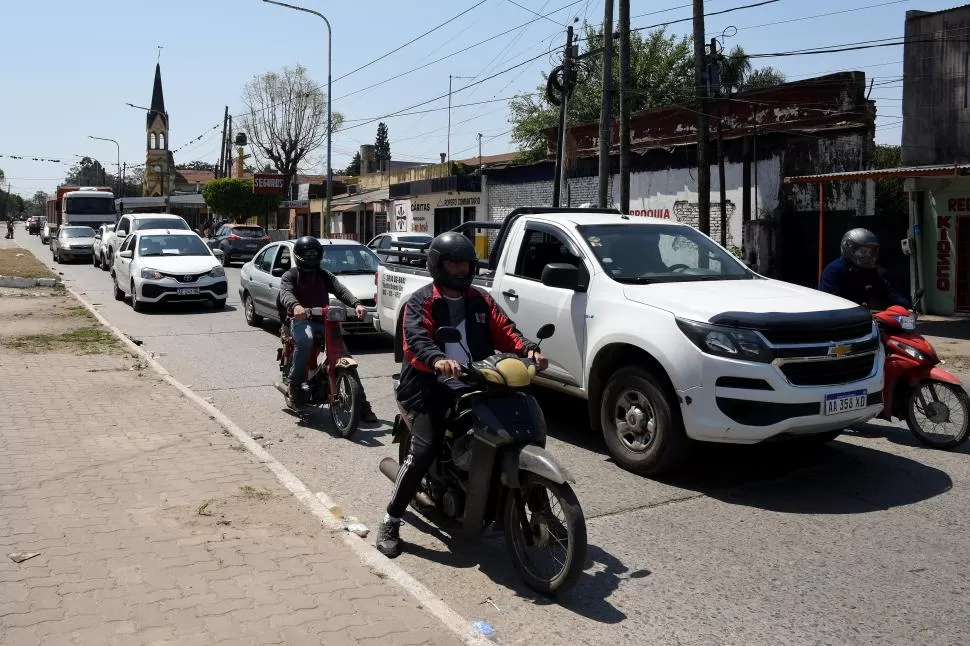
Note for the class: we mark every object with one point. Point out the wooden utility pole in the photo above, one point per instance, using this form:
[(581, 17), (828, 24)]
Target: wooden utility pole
[(606, 108), (700, 88), (624, 106), (567, 80), (715, 82), (222, 148)]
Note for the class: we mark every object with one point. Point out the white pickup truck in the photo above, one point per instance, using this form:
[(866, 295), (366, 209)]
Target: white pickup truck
[(667, 336)]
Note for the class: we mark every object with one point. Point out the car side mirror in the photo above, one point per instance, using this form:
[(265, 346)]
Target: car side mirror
[(218, 253), (125, 254), (546, 331), (97, 236), (561, 275), (279, 271), (447, 335)]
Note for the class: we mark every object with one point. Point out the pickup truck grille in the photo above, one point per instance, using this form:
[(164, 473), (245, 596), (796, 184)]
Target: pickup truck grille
[(818, 334), (829, 372)]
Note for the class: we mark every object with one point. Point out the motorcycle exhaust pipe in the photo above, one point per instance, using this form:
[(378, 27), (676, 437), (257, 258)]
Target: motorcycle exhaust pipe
[(389, 467)]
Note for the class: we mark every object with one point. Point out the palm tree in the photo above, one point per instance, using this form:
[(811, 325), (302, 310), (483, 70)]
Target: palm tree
[(737, 74)]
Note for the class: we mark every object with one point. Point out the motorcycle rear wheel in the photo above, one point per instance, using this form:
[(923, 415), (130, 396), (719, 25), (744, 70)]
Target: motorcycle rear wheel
[(542, 493), (345, 407), (938, 412)]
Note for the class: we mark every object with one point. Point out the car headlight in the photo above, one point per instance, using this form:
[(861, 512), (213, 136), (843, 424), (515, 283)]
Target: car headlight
[(728, 342), (151, 274), (217, 272)]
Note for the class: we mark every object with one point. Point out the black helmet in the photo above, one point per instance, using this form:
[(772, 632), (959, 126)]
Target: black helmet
[(853, 242), (307, 252), (453, 247)]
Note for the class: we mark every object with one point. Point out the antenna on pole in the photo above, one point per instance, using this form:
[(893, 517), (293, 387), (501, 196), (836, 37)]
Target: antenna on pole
[(160, 48)]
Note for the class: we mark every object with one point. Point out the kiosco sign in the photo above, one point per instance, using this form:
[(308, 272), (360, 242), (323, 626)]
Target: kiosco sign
[(267, 184)]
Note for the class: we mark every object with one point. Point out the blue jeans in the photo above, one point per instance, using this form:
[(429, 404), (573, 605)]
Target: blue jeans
[(302, 332)]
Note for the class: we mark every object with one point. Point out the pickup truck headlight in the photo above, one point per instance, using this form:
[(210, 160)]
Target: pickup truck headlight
[(728, 342)]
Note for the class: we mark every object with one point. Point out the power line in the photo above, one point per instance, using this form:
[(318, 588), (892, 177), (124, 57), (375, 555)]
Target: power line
[(559, 24), (862, 44), (706, 15), (462, 105), (823, 15)]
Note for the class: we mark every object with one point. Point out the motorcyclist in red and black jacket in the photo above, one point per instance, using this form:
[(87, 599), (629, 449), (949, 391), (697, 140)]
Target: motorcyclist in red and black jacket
[(423, 391)]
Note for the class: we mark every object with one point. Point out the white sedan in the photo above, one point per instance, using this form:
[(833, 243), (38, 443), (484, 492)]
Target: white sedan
[(168, 266)]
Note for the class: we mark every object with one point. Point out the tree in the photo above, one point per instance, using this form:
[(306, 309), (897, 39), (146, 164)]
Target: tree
[(890, 196), (88, 172), (661, 73), (354, 167), (286, 118), (735, 69), (233, 197), (764, 77), (197, 165), (36, 205), (382, 148)]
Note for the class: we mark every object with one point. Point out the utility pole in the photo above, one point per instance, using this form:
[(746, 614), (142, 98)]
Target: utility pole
[(227, 171), (700, 88), (567, 81), (624, 106), (222, 148), (479, 152), (714, 75), (124, 169), (606, 109)]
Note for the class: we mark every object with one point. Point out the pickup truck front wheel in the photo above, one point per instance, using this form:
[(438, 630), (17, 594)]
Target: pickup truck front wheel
[(642, 424)]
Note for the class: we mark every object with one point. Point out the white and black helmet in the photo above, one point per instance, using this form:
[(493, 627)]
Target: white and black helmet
[(852, 244)]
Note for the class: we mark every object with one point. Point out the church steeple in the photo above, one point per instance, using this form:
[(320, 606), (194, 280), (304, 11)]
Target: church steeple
[(158, 98), (159, 163)]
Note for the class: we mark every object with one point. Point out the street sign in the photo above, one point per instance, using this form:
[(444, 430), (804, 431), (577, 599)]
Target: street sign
[(267, 184)]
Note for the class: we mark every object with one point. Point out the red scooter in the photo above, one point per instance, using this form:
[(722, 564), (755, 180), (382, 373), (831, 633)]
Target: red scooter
[(931, 400), (335, 383)]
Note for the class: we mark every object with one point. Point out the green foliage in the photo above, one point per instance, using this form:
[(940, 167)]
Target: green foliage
[(233, 197), (197, 165), (382, 147), (88, 172), (890, 197), (764, 77), (354, 167)]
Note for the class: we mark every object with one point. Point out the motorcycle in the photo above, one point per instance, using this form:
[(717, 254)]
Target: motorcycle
[(917, 389), (335, 383), (494, 469)]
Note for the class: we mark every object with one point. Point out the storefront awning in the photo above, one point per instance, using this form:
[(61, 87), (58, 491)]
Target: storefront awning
[(343, 208)]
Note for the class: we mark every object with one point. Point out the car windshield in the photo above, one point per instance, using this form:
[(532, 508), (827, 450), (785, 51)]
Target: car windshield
[(661, 253), (77, 232), (168, 245), (90, 205), (248, 232), (349, 259), (161, 223)]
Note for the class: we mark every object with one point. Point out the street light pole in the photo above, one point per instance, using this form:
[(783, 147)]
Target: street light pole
[(325, 229), (118, 150), (450, 77)]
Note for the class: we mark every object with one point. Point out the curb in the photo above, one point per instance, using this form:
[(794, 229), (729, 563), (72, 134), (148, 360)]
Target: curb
[(21, 283), (318, 504)]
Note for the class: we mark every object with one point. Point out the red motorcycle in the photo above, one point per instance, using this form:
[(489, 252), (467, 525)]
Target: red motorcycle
[(335, 383), (931, 400)]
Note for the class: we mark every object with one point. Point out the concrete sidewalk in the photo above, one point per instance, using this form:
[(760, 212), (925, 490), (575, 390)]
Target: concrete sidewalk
[(154, 527)]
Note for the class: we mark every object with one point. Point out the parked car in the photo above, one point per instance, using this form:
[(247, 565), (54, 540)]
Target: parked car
[(168, 266), (380, 244), (73, 242), (132, 222), (354, 265), (33, 226), (238, 242), (668, 337), (98, 257)]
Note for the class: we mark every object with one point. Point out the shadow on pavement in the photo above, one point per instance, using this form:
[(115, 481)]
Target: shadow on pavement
[(184, 309), (318, 419), (588, 598), (956, 328), (897, 434), (794, 477)]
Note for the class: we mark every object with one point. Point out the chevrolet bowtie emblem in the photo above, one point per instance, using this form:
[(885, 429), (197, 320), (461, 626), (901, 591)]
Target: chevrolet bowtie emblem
[(840, 351)]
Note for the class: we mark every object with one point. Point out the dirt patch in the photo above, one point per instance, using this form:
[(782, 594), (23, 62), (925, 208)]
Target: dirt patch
[(52, 323), (21, 263)]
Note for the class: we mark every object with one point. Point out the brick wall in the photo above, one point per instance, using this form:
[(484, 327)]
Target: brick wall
[(502, 198)]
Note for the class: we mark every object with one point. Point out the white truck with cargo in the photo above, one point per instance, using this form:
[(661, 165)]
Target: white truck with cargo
[(669, 338)]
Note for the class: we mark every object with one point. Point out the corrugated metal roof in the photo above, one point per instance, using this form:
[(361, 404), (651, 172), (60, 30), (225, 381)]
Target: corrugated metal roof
[(900, 172)]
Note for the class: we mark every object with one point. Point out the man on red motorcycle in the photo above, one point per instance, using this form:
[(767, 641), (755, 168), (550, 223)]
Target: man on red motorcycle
[(307, 285), (854, 276), (450, 300)]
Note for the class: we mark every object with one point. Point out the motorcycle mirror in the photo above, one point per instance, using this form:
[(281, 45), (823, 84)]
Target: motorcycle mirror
[(546, 331), (447, 335)]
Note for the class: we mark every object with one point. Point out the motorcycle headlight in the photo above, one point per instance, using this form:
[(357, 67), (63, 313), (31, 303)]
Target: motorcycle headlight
[(150, 274), (728, 342), (919, 355), (217, 272)]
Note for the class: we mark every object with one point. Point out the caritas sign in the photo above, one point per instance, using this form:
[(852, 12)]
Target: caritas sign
[(267, 184)]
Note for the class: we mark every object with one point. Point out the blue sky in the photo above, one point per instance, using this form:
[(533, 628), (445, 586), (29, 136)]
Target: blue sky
[(70, 67)]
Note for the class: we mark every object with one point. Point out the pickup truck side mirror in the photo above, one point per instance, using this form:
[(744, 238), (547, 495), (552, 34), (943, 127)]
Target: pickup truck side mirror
[(447, 335), (561, 275)]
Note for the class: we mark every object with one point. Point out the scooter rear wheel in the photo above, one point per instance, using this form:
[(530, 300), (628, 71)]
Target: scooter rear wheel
[(938, 414), (345, 405)]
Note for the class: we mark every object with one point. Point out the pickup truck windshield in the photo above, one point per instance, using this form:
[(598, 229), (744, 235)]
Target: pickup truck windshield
[(349, 259), (660, 253)]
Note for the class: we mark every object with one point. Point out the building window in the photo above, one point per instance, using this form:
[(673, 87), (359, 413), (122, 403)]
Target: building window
[(154, 143), (161, 141)]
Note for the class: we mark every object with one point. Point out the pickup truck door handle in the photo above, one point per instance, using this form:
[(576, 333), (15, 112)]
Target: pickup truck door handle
[(510, 293)]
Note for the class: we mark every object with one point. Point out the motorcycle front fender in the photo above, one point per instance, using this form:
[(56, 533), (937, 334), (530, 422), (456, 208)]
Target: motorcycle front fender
[(346, 362), (537, 460), (930, 373)]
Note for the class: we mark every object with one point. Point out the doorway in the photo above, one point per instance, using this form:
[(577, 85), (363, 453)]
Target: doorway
[(446, 219), (963, 264)]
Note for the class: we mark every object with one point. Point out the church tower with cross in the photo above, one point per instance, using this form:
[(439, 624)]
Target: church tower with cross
[(159, 162)]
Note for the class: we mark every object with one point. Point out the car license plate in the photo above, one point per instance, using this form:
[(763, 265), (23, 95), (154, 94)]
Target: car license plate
[(845, 402), (188, 291), (252, 246)]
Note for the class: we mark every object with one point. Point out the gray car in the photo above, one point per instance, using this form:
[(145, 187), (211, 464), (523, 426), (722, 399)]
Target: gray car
[(354, 265), (73, 243)]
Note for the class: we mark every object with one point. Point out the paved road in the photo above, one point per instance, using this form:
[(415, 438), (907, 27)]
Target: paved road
[(858, 543)]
